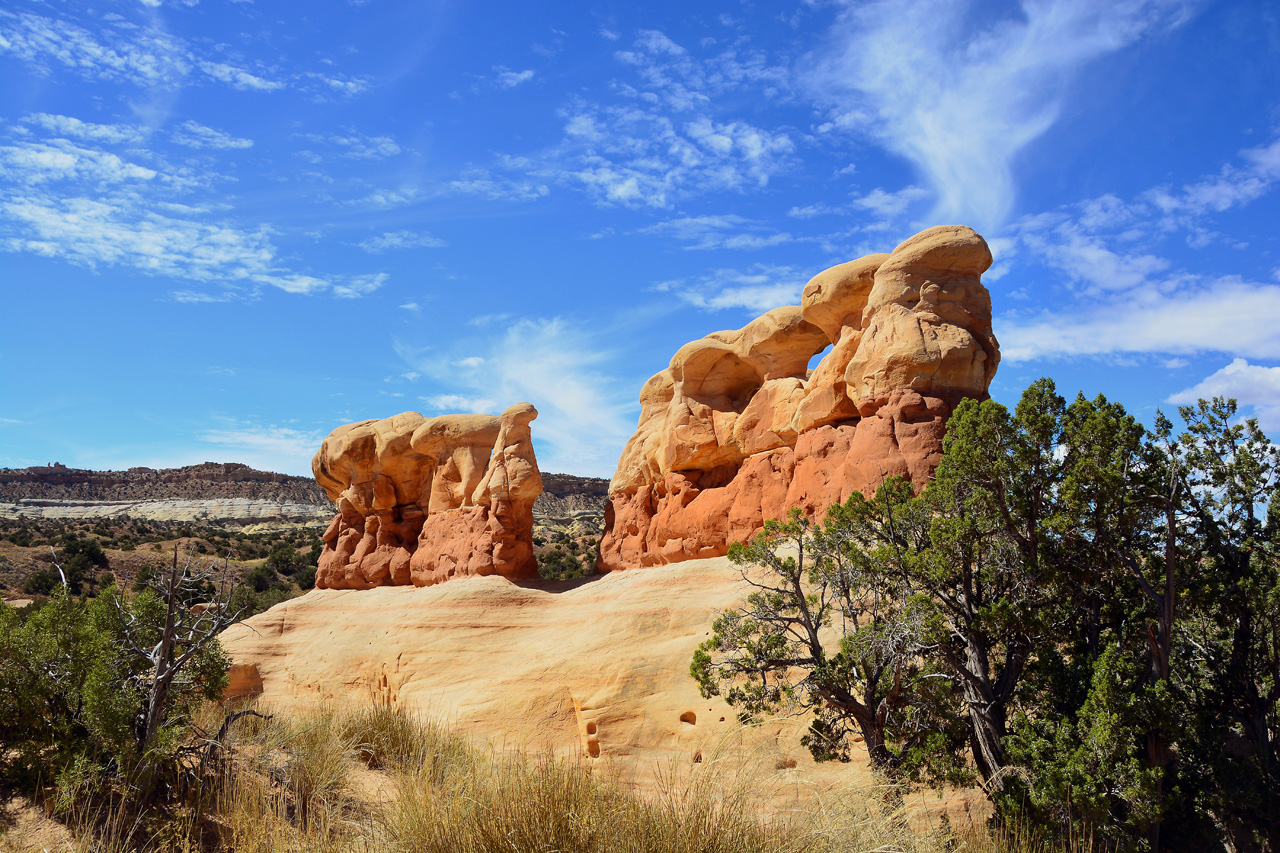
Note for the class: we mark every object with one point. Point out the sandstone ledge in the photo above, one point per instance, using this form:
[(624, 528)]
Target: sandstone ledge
[(597, 668)]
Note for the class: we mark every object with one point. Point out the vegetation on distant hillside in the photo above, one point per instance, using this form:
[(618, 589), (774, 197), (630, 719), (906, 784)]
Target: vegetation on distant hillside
[(1081, 613), (563, 555), (270, 566)]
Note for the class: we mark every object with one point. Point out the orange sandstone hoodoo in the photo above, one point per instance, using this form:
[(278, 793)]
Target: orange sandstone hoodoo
[(738, 430), (421, 500)]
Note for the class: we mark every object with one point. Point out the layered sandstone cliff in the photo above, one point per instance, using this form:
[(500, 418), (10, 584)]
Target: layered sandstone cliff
[(738, 430), (421, 500)]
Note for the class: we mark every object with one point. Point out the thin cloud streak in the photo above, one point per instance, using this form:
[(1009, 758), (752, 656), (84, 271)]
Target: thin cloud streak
[(584, 419), (961, 104)]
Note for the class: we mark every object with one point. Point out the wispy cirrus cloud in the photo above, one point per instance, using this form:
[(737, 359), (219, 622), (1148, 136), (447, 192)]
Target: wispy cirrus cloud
[(267, 447), (723, 231), (961, 101), (351, 145), (662, 137), (111, 48), (505, 78), (1126, 294), (74, 128), (758, 288), (118, 53), (584, 415), (393, 240), (195, 135), (396, 240), (1190, 315), (91, 207)]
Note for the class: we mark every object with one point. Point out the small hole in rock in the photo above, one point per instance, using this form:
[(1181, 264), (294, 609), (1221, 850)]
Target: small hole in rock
[(722, 719), (593, 748), (697, 758), (689, 717), (591, 728)]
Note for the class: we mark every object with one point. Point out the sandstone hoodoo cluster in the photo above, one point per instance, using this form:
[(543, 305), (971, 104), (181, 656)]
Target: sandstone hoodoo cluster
[(421, 500), (738, 429)]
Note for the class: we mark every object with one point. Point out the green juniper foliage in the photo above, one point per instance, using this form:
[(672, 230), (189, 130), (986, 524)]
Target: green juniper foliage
[(1082, 613), (106, 685)]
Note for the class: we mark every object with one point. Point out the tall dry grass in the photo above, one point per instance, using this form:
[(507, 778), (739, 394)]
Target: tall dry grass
[(374, 779)]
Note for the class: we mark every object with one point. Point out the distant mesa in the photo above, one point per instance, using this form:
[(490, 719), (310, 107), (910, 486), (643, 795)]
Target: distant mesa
[(738, 429), (422, 500), (209, 493)]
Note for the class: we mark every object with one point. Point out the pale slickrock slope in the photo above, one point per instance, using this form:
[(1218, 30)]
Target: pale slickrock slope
[(597, 668)]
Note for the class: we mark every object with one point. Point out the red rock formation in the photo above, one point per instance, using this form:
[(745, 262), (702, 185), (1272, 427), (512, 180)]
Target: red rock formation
[(421, 500), (737, 429)]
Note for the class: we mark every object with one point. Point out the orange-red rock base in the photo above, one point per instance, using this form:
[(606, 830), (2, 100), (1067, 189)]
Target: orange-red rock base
[(698, 514), (386, 549)]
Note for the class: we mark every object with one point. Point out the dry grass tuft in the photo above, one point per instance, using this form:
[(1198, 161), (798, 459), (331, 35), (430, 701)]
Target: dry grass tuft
[(293, 784)]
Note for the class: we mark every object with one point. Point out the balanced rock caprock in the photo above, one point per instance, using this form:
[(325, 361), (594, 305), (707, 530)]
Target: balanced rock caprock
[(421, 500), (737, 429)]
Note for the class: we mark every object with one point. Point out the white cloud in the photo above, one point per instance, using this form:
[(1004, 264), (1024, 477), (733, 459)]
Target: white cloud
[(664, 139), (360, 285), (352, 145), (268, 448), (238, 78), (335, 84), (507, 79), (890, 205), (401, 240), (1232, 187), (809, 211), (34, 163), (961, 104), (757, 289), (121, 53), (92, 208), (584, 414), (712, 232), (1126, 297), (195, 135), (1250, 384), (485, 184), (640, 157), (461, 404), (68, 126), (1087, 258), (1222, 315)]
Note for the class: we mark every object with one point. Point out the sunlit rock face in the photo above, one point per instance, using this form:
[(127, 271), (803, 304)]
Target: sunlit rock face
[(738, 429), (422, 500)]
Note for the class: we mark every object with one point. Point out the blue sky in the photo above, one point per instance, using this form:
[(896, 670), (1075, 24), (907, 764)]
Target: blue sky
[(228, 227)]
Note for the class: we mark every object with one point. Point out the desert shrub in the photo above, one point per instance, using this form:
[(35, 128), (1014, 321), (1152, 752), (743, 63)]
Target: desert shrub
[(305, 578), (247, 601), (40, 582), (107, 683), (261, 578), (560, 565), (285, 559)]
